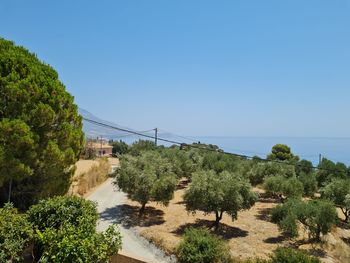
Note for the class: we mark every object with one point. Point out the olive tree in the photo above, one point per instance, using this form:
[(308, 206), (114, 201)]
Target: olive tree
[(283, 187), (328, 170), (259, 171), (338, 191), (147, 177), (219, 193), (317, 216), (40, 130)]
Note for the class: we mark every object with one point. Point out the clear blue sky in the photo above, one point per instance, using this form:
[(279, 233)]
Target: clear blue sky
[(251, 68)]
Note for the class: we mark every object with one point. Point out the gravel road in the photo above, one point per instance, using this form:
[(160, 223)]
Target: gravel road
[(109, 204)]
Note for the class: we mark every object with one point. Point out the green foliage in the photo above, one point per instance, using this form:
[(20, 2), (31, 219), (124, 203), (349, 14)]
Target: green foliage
[(71, 244), (200, 246), (66, 231), (286, 217), (328, 170), (309, 182), (218, 193), (40, 130), (289, 255), (184, 163), (282, 152), (15, 234), (338, 191), (219, 162), (317, 216), (148, 177), (304, 167), (279, 185), (259, 171), (119, 147), (61, 211), (141, 146)]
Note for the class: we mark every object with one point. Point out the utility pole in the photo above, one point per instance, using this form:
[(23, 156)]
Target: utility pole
[(156, 136), (319, 159), (101, 146)]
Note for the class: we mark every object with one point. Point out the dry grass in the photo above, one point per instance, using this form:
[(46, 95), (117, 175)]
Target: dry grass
[(252, 235), (89, 174)]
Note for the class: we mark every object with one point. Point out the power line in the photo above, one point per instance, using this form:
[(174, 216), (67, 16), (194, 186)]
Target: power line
[(200, 147)]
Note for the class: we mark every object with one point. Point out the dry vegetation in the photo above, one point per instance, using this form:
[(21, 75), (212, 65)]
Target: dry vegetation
[(89, 174), (251, 235)]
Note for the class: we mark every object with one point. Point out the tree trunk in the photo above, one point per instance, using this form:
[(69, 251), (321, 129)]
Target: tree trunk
[(218, 217), (346, 213), (142, 209)]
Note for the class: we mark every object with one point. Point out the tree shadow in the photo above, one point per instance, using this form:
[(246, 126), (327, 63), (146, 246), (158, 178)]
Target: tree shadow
[(128, 216), (276, 240), (266, 198), (346, 240), (264, 214), (182, 184), (343, 225), (224, 230), (317, 252)]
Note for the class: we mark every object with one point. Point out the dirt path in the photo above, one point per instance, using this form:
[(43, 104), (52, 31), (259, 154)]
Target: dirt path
[(110, 203)]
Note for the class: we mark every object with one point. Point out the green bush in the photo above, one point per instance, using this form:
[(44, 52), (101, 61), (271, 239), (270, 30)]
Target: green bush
[(15, 234), (200, 246), (288, 255), (70, 244), (63, 210)]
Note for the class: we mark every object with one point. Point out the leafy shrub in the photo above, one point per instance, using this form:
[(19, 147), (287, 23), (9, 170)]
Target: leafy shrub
[(15, 234), (289, 255), (63, 210), (200, 246), (70, 244)]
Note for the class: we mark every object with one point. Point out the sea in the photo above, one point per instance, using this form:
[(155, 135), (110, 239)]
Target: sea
[(309, 148)]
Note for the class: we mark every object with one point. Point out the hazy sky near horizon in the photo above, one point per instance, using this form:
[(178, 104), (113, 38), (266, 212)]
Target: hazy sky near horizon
[(240, 68)]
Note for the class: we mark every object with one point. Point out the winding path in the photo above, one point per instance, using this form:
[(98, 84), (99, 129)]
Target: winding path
[(109, 205)]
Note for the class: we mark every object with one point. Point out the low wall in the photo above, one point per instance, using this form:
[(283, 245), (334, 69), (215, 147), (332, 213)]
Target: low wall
[(125, 258)]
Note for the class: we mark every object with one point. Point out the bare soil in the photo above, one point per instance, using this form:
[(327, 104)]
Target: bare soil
[(252, 235)]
